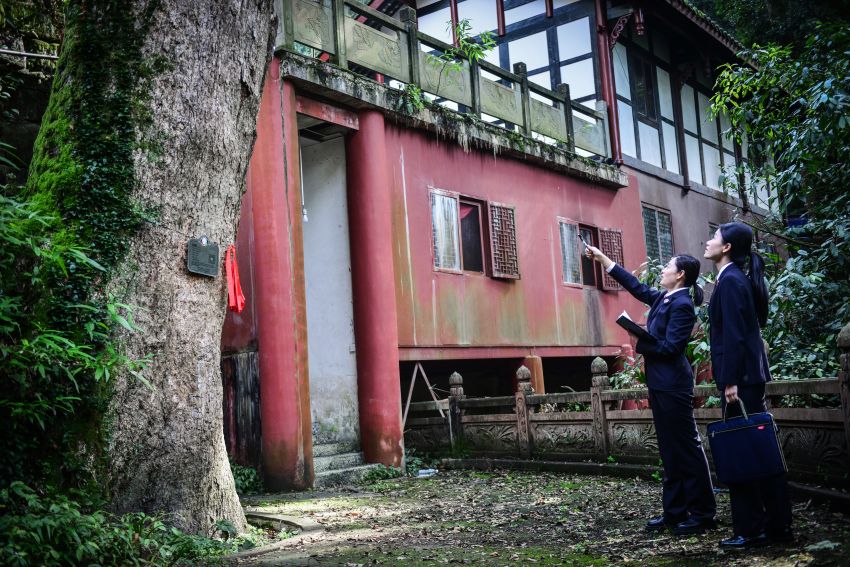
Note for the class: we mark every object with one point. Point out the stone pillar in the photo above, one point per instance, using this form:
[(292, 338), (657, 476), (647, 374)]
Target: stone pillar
[(274, 179), (844, 380), (455, 413), (373, 283), (599, 382), (523, 433)]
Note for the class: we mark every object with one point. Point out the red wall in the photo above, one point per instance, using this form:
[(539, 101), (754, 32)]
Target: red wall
[(440, 313)]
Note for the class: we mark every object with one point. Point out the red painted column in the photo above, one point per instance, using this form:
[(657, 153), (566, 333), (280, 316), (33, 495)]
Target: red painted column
[(274, 179), (373, 282), (606, 71)]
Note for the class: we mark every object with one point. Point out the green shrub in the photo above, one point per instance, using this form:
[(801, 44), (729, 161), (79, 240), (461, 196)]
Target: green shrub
[(247, 479), (56, 530), (382, 472)]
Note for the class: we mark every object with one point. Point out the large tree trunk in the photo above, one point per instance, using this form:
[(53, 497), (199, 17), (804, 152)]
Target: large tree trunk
[(167, 444)]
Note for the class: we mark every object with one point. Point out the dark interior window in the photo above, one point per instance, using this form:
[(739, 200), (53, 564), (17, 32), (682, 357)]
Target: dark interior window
[(588, 269), (470, 236), (643, 88)]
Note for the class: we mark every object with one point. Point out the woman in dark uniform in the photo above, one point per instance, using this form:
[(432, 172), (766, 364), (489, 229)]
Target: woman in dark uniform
[(761, 510), (688, 497)]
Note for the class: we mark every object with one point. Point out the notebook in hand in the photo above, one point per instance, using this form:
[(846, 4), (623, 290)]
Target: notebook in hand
[(626, 322)]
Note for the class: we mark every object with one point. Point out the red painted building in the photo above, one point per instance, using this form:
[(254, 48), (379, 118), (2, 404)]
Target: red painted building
[(379, 235)]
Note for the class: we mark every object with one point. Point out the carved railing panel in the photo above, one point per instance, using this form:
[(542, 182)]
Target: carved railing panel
[(377, 50), (548, 120), (590, 134), (501, 101), (491, 437), (446, 80), (562, 438), (314, 24)]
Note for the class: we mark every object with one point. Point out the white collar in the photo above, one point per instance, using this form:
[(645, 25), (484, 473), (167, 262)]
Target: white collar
[(669, 293), (720, 271)]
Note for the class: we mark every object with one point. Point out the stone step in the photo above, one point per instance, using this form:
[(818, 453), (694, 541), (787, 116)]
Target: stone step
[(333, 462), (351, 475), (328, 449)]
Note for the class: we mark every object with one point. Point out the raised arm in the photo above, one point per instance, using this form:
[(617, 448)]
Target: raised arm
[(639, 291)]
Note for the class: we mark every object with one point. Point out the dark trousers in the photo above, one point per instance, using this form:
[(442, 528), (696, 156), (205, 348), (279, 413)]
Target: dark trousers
[(762, 505), (687, 489)]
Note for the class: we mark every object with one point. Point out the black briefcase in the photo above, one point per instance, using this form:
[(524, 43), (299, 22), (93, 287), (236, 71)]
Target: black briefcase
[(746, 448)]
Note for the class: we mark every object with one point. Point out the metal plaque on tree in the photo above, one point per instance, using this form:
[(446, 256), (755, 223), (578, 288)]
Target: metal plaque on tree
[(202, 257)]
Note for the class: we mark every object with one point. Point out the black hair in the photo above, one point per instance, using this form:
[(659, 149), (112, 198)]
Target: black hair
[(691, 266), (740, 236)]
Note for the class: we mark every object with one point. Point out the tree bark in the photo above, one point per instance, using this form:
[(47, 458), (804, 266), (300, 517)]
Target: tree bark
[(166, 446)]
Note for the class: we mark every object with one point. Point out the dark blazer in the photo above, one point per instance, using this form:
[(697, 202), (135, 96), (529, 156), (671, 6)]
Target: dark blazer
[(737, 351), (670, 322)]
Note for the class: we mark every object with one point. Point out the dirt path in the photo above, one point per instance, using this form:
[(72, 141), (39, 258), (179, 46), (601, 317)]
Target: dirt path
[(511, 518)]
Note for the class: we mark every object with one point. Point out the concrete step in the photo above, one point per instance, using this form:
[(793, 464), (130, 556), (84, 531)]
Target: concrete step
[(351, 475), (328, 449), (333, 462)]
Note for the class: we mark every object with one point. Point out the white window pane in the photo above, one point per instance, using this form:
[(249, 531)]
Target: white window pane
[(621, 71), (574, 39), (707, 123), (570, 259), (437, 25), (542, 79), (712, 166), (493, 57), (671, 147), (560, 3), (480, 13), (665, 94), (444, 220), (650, 145), (627, 129), (531, 50), (422, 3), (580, 77), (694, 164), (524, 12), (689, 112), (725, 131)]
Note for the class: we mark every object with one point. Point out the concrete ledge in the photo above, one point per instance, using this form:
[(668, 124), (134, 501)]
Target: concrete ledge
[(332, 83), (307, 527)]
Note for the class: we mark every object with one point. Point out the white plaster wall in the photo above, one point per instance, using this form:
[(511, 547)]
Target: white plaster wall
[(327, 270)]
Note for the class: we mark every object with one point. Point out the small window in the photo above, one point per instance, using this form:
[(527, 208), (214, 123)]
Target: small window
[(570, 252), (459, 235), (658, 232), (643, 88), (588, 266)]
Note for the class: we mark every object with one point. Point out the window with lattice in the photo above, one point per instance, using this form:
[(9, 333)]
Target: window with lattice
[(658, 232), (570, 252), (611, 244), (503, 244)]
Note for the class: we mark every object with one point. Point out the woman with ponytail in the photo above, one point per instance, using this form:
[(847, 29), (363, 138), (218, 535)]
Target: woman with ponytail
[(761, 510), (687, 494)]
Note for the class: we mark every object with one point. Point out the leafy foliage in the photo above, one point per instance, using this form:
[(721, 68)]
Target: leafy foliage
[(55, 530), (468, 49), (247, 479), (795, 111)]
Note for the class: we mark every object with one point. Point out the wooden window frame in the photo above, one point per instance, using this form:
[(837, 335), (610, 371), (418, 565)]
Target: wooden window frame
[(482, 231), (494, 272), (657, 210), (575, 224), (456, 198)]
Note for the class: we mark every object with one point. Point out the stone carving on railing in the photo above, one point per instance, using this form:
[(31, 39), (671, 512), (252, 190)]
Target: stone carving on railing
[(492, 438), (634, 438), (563, 438)]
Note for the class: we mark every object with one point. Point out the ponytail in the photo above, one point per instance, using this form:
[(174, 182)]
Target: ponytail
[(740, 236), (759, 286), (697, 293)]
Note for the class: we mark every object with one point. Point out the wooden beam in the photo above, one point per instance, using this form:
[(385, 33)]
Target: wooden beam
[(326, 112)]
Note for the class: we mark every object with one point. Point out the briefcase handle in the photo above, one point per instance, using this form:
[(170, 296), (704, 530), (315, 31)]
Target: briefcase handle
[(743, 410)]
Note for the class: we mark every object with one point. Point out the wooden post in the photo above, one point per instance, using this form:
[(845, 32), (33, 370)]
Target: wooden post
[(475, 77), (522, 70), (563, 89), (844, 380), (535, 366), (599, 382), (523, 378), (408, 18), (455, 414), (339, 32)]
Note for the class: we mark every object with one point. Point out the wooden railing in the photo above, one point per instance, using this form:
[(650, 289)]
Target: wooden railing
[(816, 441), (361, 39)]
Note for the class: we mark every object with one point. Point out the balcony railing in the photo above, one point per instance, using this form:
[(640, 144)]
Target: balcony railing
[(362, 39)]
